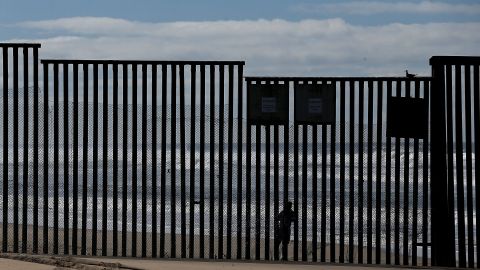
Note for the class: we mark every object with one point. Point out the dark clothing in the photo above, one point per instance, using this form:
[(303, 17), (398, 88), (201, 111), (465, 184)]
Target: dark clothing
[(283, 223)]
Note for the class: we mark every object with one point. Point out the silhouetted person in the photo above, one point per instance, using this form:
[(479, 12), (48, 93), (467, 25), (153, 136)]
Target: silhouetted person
[(283, 224)]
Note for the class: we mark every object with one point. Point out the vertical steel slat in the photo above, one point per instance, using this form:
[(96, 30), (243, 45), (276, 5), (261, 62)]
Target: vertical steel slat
[(397, 190), (378, 190), (45, 158), (240, 159), (55, 157), (211, 248), (163, 179), (286, 178), (476, 121), (134, 159), (248, 187), (267, 193), (295, 190), (361, 149), (144, 160), (342, 173), (221, 161), (450, 134), (115, 160), (36, 147), (314, 192), (183, 228), (332, 190), (124, 157), (95, 160), (351, 173), (193, 80), (459, 167), (425, 180), (26, 90), (388, 188), (415, 188), (15, 149), (105, 160), (369, 170), (323, 219), (469, 167), (202, 161), (173, 161), (304, 191), (5, 150), (85, 156), (257, 190), (230, 161), (275, 189), (154, 161), (406, 184), (66, 162)]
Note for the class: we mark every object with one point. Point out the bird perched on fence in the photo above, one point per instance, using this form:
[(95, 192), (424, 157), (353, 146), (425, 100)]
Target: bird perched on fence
[(410, 75)]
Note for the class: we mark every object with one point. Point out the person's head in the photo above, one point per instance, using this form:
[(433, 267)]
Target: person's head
[(289, 205)]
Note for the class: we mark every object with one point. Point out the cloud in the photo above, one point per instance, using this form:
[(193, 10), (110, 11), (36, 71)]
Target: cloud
[(329, 47), (376, 7)]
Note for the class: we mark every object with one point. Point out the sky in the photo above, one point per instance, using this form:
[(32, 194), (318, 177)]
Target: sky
[(274, 37)]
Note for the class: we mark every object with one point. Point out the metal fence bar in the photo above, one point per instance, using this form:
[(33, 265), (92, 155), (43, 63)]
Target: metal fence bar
[(229, 161), (85, 153), (124, 157), (332, 192), (323, 219), (105, 161), (275, 190), (476, 127), (369, 170), (25, 150), (173, 162), (304, 191), (15, 150), (397, 190), (95, 161), (115, 149), (388, 189), (257, 190), (406, 191), (248, 187), (202, 162), (351, 173), (425, 180), (378, 188), (342, 174), (134, 160), (314, 192), (286, 178), (163, 179), (415, 188), (36, 148), (221, 142), (66, 163), (183, 216), (154, 161), (360, 170), (295, 190), (5, 151), (240, 158), (267, 193), (144, 159), (45, 158), (469, 166), (55, 158), (211, 249), (191, 241), (459, 166)]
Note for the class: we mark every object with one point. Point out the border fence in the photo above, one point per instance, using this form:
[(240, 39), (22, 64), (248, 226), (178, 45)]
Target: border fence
[(161, 159)]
